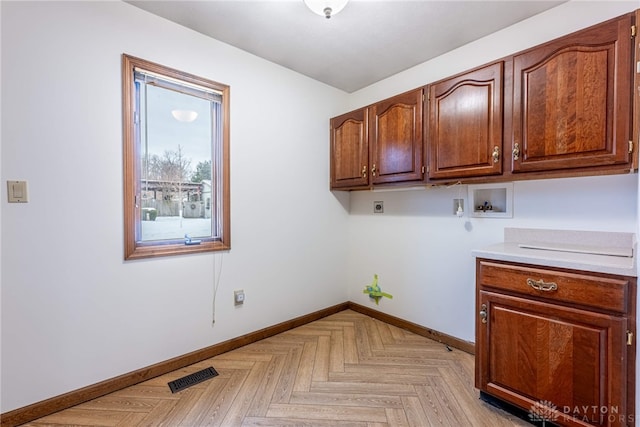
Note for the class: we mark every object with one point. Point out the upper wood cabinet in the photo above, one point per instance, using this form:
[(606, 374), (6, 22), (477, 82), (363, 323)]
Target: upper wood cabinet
[(465, 124), (395, 137), (636, 96), (564, 108), (350, 150), (572, 100)]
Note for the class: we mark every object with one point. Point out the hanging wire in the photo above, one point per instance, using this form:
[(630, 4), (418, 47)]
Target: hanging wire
[(217, 272)]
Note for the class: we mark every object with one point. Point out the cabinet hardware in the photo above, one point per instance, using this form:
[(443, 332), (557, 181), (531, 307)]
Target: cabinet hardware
[(634, 31), (483, 313), (496, 154), (541, 285), (423, 169), (630, 147), (629, 338), (516, 151), (364, 171), (373, 170)]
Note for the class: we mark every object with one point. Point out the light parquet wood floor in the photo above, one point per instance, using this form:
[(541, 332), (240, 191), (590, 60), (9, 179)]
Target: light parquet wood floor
[(346, 369)]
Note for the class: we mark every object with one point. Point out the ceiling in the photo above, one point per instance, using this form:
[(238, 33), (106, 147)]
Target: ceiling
[(365, 43)]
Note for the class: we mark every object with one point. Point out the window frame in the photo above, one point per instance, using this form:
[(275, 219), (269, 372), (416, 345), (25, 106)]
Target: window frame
[(134, 249)]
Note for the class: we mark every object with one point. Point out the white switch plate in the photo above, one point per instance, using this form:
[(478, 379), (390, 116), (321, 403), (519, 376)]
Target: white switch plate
[(17, 192)]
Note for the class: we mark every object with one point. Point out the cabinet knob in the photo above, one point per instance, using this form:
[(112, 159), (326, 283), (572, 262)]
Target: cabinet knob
[(483, 313), (364, 171), (541, 285), (496, 154), (373, 170), (516, 151)]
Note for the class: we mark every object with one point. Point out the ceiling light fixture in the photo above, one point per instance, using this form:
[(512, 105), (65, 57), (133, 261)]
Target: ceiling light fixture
[(326, 8)]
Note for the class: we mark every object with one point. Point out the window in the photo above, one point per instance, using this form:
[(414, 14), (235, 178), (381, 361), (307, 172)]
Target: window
[(176, 161)]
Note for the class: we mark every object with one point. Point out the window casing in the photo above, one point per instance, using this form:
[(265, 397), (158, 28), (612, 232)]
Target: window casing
[(172, 206)]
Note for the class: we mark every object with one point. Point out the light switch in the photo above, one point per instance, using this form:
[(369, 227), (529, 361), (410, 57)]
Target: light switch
[(17, 191)]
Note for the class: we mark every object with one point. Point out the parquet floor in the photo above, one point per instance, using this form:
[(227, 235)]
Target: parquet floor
[(344, 370)]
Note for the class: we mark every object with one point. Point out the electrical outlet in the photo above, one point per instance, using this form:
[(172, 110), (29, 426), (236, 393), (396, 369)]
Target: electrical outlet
[(378, 207), (238, 297)]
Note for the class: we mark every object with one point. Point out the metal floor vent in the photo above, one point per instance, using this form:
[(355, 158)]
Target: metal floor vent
[(192, 379)]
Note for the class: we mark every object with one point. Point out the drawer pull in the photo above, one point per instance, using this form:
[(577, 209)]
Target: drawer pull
[(541, 285)]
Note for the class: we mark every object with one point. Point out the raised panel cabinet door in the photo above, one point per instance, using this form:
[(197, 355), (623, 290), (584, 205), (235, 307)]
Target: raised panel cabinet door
[(349, 150), (571, 360), (571, 100), (465, 124), (396, 139)]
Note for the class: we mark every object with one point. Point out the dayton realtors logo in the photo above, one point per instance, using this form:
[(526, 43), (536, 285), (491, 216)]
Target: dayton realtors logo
[(545, 411)]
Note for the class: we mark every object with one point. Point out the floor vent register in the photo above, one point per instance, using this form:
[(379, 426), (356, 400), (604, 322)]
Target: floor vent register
[(192, 379)]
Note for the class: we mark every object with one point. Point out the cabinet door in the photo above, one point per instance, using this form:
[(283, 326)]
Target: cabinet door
[(465, 124), (530, 352), (349, 150), (636, 97), (571, 100), (396, 139)]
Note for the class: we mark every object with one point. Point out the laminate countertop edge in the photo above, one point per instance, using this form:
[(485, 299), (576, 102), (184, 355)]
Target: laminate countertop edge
[(512, 252)]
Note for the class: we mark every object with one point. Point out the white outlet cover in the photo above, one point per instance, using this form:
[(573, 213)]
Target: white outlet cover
[(238, 297)]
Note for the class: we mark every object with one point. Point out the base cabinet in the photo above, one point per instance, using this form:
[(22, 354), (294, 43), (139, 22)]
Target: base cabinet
[(556, 343)]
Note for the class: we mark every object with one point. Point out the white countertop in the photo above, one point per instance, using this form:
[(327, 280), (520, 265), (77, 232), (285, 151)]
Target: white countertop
[(559, 250)]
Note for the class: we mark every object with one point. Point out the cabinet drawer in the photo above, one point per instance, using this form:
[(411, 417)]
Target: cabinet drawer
[(597, 291)]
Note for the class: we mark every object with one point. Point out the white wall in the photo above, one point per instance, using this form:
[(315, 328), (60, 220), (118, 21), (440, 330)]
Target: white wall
[(422, 252), (73, 312)]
